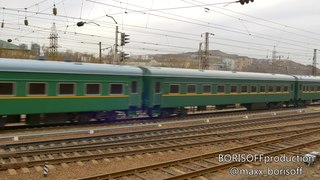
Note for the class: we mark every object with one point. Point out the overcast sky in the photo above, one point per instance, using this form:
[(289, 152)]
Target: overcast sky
[(170, 26)]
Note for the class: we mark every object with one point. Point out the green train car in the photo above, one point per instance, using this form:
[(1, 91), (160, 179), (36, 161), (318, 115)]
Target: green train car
[(58, 92), (170, 90), (308, 89), (63, 91)]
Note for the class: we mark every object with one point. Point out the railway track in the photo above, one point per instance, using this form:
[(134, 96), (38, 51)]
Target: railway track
[(142, 120), (15, 156), (205, 164), (63, 142)]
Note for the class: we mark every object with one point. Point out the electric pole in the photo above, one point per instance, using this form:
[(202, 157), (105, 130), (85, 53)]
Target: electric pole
[(205, 59), (274, 57), (200, 55), (205, 63), (100, 59), (314, 68), (53, 40), (115, 59)]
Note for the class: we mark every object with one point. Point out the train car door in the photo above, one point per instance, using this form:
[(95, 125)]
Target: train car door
[(134, 98), (157, 93)]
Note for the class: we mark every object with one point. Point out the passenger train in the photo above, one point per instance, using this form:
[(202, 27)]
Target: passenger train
[(54, 92)]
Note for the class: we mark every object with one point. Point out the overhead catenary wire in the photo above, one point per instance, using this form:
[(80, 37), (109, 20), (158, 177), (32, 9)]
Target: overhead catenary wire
[(224, 28), (262, 19), (245, 34), (166, 33)]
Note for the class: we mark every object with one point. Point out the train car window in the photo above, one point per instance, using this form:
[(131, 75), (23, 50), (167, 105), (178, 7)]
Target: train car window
[(157, 87), (253, 89), (220, 89), (307, 88), (285, 88), (304, 88), (174, 88), (311, 88), (93, 89), (206, 89), (318, 89), (270, 89), (262, 89), (7, 89), (278, 89), (116, 88), (134, 87), (37, 89), (234, 89), (66, 89), (191, 88), (244, 89)]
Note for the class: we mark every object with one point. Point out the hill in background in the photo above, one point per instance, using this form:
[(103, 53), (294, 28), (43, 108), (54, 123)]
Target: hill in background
[(219, 60)]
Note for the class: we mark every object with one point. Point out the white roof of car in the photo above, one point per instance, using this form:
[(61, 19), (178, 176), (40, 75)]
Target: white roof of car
[(308, 78), (19, 65), (194, 73)]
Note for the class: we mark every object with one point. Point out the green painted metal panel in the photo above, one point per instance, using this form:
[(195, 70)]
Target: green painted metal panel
[(184, 99), (56, 105), (175, 101), (34, 106)]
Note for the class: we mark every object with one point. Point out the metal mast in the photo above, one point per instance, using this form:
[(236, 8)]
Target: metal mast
[(314, 68), (205, 59), (53, 40), (274, 57)]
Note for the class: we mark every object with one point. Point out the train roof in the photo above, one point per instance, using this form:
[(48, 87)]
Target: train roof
[(308, 78), (194, 73), (38, 66)]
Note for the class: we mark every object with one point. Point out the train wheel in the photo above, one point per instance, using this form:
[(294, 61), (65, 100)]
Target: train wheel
[(112, 116), (182, 112), (219, 107), (2, 121), (83, 118), (165, 114), (33, 119), (101, 116)]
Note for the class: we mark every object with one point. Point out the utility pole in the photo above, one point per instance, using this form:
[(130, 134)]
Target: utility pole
[(274, 57), (205, 64), (115, 59), (205, 59), (100, 59), (200, 55), (314, 68), (53, 41)]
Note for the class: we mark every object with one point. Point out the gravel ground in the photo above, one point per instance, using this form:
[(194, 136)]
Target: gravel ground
[(311, 172), (90, 168)]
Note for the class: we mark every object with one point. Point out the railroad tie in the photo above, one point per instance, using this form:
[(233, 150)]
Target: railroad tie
[(12, 172), (94, 161), (64, 165), (25, 170), (107, 160), (80, 163), (25, 159)]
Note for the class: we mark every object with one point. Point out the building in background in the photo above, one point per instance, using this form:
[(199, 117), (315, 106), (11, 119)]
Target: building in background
[(9, 50)]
